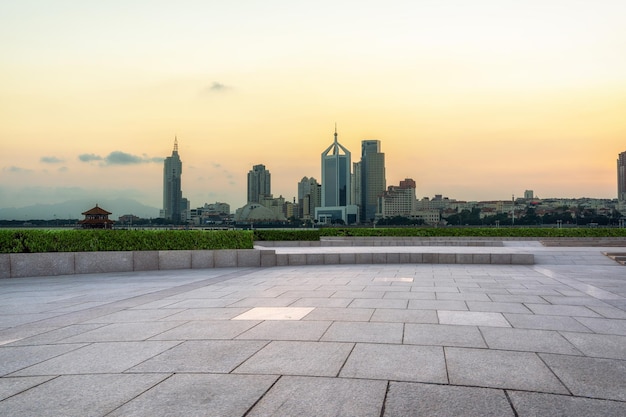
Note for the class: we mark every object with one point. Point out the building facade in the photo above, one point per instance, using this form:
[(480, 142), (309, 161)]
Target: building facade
[(336, 204), (309, 197), (372, 178), (259, 184), (174, 206), (621, 178)]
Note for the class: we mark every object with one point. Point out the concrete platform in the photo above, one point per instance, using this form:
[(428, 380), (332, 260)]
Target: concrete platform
[(370, 339)]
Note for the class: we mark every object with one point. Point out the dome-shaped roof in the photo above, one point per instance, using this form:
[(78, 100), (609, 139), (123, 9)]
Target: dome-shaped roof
[(256, 212)]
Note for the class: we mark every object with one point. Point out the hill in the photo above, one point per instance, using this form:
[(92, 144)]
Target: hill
[(73, 209)]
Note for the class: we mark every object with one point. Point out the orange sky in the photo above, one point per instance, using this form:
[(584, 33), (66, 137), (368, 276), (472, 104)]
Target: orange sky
[(473, 100)]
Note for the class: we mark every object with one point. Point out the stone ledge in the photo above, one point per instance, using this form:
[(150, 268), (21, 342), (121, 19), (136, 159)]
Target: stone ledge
[(19, 265)]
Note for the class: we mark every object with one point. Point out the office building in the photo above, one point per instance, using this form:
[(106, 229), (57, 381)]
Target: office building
[(371, 170), (336, 205), (309, 197), (259, 184), (174, 205), (621, 178)]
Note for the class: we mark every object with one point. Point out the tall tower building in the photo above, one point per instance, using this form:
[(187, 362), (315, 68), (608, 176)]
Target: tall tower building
[(259, 184), (336, 175), (373, 183), (172, 193), (309, 197), (621, 177)]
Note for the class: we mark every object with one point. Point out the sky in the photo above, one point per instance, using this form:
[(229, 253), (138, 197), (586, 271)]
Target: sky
[(475, 100)]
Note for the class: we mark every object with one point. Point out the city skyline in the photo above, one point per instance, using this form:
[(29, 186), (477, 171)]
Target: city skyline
[(475, 102)]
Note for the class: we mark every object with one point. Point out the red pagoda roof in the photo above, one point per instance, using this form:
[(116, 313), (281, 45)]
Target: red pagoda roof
[(96, 210)]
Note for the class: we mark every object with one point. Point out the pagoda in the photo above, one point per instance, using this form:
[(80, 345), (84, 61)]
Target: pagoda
[(96, 218)]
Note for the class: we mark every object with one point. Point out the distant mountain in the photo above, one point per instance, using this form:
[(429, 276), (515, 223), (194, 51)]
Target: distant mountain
[(73, 209)]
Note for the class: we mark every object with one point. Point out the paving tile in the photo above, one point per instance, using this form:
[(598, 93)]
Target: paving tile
[(472, 318), (127, 316), (404, 316), (410, 295), (255, 302), (605, 326), (298, 358), (287, 330), (437, 305), (377, 303), (443, 335), (78, 395), (110, 357), (415, 399), (340, 314), (590, 377), (358, 294), (528, 340), (56, 335), (561, 310), (364, 332), (211, 313), (599, 346), (199, 395), (207, 330), (322, 302), (463, 296), (274, 313), (541, 322), (500, 369), (123, 332), (313, 397), (12, 386), (498, 307), (535, 404), (218, 356), (396, 362), (14, 358)]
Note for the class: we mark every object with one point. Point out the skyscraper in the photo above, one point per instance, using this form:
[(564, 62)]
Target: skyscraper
[(621, 177), (336, 197), (371, 169), (259, 184), (309, 197), (335, 175), (172, 193)]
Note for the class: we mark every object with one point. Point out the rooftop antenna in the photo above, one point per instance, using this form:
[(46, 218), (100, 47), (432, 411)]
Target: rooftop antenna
[(175, 144)]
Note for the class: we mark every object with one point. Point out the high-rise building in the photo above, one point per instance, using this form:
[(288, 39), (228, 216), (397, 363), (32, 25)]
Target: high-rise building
[(335, 175), (309, 197), (174, 205), (372, 173), (336, 205), (259, 184), (621, 177), (398, 200)]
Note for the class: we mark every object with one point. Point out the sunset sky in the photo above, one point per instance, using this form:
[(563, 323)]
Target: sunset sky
[(475, 100)]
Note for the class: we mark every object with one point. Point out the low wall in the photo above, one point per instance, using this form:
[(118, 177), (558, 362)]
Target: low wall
[(18, 265)]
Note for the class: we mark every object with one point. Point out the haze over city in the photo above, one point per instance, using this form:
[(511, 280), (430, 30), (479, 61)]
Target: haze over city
[(474, 100)]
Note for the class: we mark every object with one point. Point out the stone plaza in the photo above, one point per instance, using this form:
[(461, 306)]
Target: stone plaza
[(361, 339)]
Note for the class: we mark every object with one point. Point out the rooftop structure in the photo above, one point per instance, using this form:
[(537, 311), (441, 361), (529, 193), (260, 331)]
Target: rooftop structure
[(96, 218)]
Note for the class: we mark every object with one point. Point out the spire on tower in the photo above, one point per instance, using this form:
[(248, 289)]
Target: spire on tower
[(335, 131), (175, 144)]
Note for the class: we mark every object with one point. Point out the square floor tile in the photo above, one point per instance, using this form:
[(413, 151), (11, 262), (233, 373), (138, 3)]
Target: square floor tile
[(396, 362), (297, 358), (501, 369), (413, 399), (535, 404), (472, 318), (305, 396), (274, 313), (590, 377)]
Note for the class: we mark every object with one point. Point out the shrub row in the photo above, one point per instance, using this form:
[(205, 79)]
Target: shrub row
[(30, 241), (278, 235), (476, 232)]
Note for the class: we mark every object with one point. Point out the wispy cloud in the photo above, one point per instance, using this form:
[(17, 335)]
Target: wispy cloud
[(216, 88), (50, 160), (89, 157), (119, 158), (16, 170)]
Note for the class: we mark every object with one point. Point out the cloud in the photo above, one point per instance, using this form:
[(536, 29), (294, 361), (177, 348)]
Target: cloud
[(16, 170), (50, 160), (88, 157), (216, 88), (119, 158)]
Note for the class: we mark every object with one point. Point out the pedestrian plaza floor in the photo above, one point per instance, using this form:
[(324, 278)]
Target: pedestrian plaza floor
[(547, 339)]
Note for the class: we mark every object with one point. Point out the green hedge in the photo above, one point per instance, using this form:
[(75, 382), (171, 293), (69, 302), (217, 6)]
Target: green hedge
[(475, 232), (31, 241), (278, 235)]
